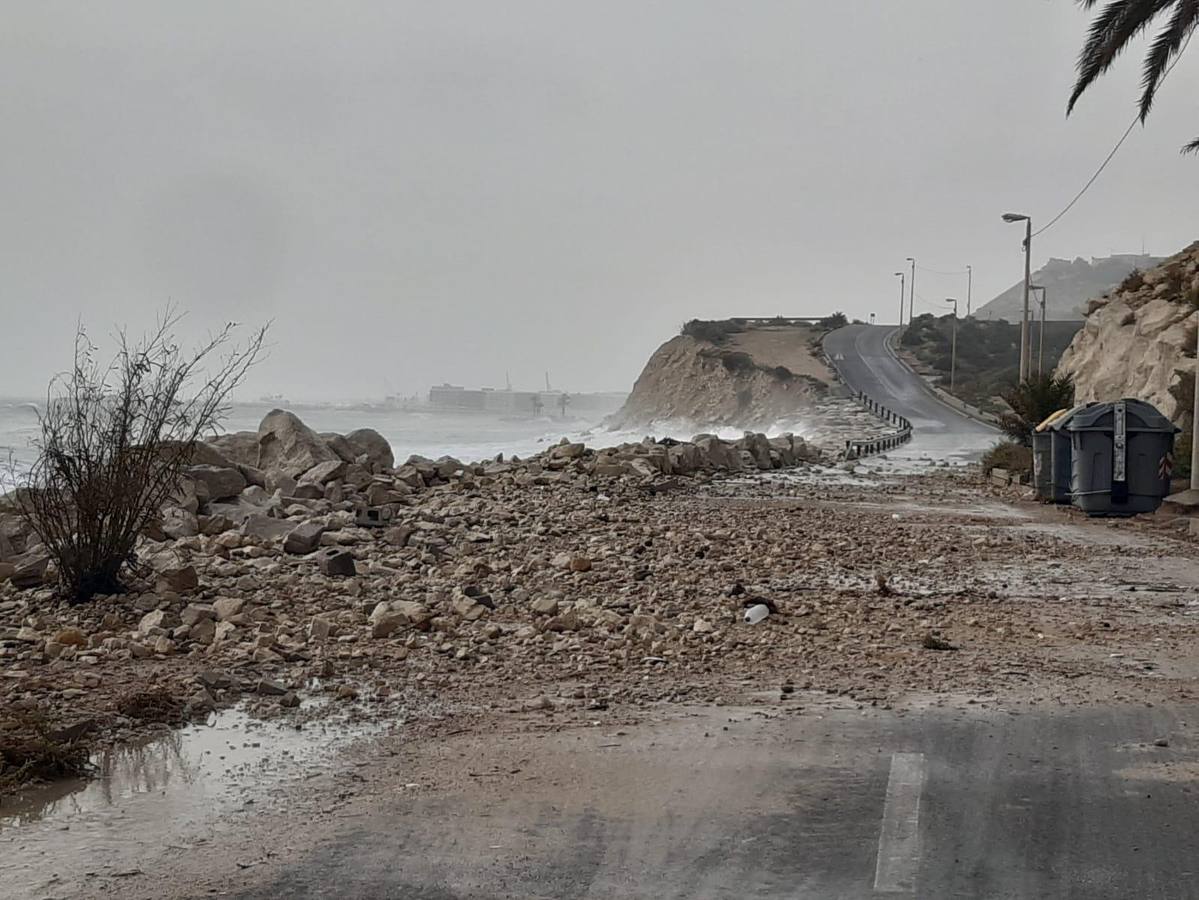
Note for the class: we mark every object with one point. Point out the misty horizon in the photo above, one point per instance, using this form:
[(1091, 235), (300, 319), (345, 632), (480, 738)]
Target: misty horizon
[(417, 195)]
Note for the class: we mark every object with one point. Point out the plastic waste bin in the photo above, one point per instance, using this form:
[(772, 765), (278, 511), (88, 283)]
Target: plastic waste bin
[(1042, 456), (1061, 457), (1122, 457), (1042, 464)]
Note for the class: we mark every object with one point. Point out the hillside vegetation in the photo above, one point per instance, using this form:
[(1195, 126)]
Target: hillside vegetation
[(988, 355)]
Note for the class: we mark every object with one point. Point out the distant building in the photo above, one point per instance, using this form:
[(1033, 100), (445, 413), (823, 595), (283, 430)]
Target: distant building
[(522, 403)]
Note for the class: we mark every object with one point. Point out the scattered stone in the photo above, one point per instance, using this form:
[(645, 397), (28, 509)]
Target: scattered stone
[(932, 642), (270, 688), (336, 563), (181, 580), (225, 608), (71, 637), (305, 538), (319, 628)]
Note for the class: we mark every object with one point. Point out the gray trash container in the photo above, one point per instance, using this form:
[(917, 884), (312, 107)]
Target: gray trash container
[(1042, 464), (1061, 458), (1122, 453)]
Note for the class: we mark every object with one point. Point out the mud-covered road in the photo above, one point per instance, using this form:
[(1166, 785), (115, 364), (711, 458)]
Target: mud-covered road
[(1044, 744)]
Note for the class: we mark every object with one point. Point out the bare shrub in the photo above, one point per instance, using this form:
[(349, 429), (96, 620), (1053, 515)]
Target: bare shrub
[(113, 442), (31, 750)]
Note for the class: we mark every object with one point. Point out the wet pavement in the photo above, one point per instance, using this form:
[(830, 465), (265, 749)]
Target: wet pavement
[(940, 433), (173, 791)]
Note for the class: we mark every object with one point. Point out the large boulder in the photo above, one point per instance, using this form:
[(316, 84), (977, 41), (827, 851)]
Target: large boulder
[(323, 473), (369, 443), (286, 444), (240, 447), (221, 482), (266, 528), (30, 569), (201, 453), (339, 445)]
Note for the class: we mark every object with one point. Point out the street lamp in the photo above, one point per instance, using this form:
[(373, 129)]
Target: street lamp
[(969, 288), (912, 301), (953, 352), (1041, 333), (1020, 217), (902, 277)]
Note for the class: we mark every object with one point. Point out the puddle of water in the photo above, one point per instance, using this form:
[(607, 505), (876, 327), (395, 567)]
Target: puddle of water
[(165, 792)]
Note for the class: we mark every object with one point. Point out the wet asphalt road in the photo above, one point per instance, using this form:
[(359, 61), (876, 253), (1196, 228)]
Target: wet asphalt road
[(841, 804), (866, 364), (828, 804)]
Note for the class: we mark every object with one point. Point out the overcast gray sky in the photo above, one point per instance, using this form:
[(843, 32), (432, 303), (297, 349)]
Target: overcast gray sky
[(418, 192)]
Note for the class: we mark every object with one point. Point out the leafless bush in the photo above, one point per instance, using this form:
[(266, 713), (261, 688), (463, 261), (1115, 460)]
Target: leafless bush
[(114, 439)]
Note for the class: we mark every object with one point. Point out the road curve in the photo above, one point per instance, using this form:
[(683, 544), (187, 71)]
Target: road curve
[(866, 364)]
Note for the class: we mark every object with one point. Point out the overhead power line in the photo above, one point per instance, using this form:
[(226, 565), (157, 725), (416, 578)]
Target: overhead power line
[(1120, 143)]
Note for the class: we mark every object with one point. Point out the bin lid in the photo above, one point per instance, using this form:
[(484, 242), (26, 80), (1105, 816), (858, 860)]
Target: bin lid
[(1051, 418), (1059, 420), (1139, 416)]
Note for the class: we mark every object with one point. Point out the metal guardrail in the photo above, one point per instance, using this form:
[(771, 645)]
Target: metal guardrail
[(881, 444)]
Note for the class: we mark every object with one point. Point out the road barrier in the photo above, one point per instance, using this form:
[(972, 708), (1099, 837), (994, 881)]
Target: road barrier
[(857, 449)]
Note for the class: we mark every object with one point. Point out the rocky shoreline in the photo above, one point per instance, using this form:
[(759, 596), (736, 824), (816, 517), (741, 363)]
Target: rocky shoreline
[(436, 592), (289, 558)]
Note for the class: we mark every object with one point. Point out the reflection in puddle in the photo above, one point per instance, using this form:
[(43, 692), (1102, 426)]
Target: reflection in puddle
[(160, 793)]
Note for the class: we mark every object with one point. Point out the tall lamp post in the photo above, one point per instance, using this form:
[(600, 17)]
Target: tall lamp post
[(969, 288), (902, 294), (1041, 331), (1020, 217), (912, 300), (953, 352), (1194, 423)]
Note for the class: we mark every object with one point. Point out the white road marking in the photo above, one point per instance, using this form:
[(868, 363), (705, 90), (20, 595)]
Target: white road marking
[(899, 837)]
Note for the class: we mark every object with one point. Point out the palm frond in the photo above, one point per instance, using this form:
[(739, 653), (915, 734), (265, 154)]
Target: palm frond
[(1117, 24), (1165, 47)]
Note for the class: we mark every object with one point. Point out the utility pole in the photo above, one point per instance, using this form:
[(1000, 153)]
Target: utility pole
[(912, 301), (1041, 334), (969, 288), (953, 352), (1024, 342), (1194, 422), (902, 295)]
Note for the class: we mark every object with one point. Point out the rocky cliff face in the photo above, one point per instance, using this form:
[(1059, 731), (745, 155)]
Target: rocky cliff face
[(746, 379), (1139, 340)]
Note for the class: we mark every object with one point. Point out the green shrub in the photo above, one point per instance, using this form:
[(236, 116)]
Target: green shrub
[(1134, 282), (714, 332), (1008, 455), (833, 322), (1032, 401)]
